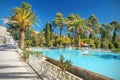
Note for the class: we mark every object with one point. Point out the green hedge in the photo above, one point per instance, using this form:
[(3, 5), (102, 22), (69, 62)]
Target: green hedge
[(116, 44), (93, 46), (99, 45), (116, 50), (105, 45), (111, 46)]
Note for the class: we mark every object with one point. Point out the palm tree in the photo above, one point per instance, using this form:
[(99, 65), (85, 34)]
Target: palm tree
[(24, 17), (59, 21), (77, 24), (80, 28), (64, 65)]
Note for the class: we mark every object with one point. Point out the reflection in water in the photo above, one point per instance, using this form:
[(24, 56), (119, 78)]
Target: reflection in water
[(108, 56)]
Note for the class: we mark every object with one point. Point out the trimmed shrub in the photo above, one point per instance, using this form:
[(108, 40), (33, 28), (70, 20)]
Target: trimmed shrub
[(116, 50), (98, 45), (111, 46), (105, 45), (116, 44), (93, 46)]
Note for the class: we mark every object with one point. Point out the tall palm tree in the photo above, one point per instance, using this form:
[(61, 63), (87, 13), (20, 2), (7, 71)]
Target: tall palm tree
[(24, 17), (59, 21), (77, 24)]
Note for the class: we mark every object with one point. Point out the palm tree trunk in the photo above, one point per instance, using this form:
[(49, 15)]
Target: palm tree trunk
[(60, 32), (79, 41), (22, 39)]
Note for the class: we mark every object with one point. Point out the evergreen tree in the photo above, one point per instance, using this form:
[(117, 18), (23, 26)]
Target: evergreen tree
[(48, 33)]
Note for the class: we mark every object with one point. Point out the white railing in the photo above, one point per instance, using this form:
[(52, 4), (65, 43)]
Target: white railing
[(49, 71)]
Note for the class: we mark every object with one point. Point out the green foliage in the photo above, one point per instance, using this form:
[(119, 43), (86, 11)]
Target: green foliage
[(64, 64), (88, 41), (24, 18), (67, 40), (78, 48), (63, 40), (116, 44), (116, 50), (41, 38), (26, 54), (111, 46), (97, 43), (105, 45), (93, 23), (60, 40), (59, 22), (14, 30), (116, 26), (76, 24), (93, 46), (47, 33), (76, 30), (106, 32), (28, 43), (37, 54)]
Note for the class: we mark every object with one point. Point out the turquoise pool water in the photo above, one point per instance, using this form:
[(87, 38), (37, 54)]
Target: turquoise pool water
[(105, 63)]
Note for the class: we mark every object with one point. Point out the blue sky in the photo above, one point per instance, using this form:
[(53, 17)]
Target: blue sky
[(105, 10)]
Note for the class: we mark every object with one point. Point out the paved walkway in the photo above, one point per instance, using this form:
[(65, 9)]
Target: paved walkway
[(12, 67)]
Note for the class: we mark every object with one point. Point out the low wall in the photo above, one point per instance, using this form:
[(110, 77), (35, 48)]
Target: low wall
[(49, 71), (80, 72)]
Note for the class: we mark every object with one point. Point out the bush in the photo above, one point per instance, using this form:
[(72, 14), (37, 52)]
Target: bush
[(88, 41), (116, 50), (28, 43), (26, 54), (93, 46), (78, 48), (116, 44), (105, 45), (38, 54), (98, 45), (111, 46)]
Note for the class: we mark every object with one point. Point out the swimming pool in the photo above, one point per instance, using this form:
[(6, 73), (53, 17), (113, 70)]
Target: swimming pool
[(105, 63)]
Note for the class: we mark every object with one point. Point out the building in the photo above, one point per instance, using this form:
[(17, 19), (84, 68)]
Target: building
[(5, 36)]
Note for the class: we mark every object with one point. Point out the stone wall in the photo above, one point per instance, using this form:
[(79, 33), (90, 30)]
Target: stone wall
[(49, 71), (80, 72)]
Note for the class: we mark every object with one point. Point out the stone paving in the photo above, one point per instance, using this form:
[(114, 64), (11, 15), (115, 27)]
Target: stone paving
[(12, 67)]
